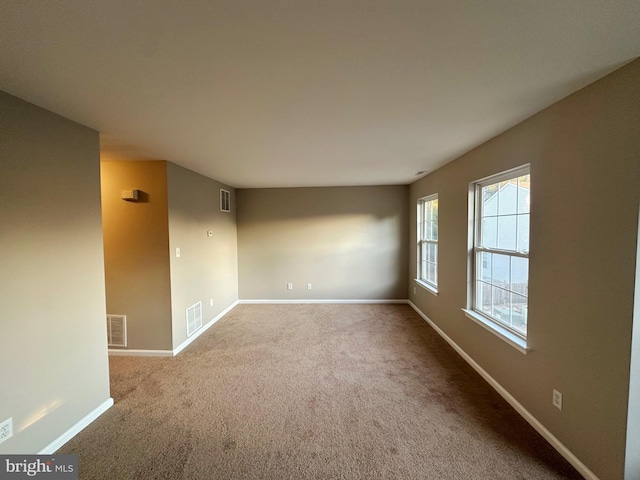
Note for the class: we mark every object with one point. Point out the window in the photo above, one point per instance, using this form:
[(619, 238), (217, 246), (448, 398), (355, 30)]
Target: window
[(500, 262), (225, 200), (428, 241)]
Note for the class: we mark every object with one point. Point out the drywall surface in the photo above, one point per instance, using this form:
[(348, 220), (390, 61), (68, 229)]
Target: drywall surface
[(207, 269), (347, 242), (136, 251), (584, 153), (53, 361)]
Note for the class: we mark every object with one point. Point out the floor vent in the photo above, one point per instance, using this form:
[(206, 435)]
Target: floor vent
[(225, 200), (117, 330), (194, 318)]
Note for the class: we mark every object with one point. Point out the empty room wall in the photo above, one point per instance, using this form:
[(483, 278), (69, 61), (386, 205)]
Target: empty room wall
[(208, 265), (348, 242), (53, 361), (584, 153), (136, 251)]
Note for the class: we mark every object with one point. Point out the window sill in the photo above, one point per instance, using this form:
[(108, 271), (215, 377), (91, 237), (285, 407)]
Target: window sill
[(502, 333), (429, 288)]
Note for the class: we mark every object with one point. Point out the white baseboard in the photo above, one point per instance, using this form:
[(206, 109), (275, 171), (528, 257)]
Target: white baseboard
[(116, 352), (309, 300), (534, 422), (199, 332), (139, 353), (77, 428)]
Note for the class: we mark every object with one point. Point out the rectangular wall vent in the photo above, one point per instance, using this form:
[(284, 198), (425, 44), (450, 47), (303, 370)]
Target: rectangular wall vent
[(117, 330), (225, 200), (194, 318)]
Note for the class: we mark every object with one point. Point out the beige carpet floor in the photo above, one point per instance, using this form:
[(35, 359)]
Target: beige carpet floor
[(311, 392)]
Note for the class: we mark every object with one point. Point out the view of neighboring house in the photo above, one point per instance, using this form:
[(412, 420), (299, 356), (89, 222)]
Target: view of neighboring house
[(503, 279)]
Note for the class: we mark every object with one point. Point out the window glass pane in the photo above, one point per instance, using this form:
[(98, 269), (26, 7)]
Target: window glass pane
[(519, 312), (428, 236), (489, 230), (523, 233), (431, 272), (507, 232), (520, 275), (483, 269), (524, 196), (507, 197), (489, 200), (500, 270), (501, 283), (434, 218), (483, 297), (501, 305)]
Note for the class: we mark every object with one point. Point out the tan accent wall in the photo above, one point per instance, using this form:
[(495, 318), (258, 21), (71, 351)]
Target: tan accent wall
[(136, 251), (208, 265), (348, 242), (584, 153), (53, 360)]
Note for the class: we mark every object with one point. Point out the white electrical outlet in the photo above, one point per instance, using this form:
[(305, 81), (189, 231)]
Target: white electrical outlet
[(211, 302), (178, 252), (557, 399), (6, 429), (289, 286), (414, 290), (308, 286)]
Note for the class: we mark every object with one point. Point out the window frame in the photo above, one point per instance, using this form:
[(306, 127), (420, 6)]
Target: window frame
[(511, 335), (421, 277), (225, 200)]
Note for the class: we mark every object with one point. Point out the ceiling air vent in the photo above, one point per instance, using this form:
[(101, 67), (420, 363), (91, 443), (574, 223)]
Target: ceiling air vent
[(194, 318), (117, 330), (225, 200)]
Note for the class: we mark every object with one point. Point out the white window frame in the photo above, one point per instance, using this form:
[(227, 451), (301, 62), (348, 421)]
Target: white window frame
[(225, 200), (423, 279), (512, 336)]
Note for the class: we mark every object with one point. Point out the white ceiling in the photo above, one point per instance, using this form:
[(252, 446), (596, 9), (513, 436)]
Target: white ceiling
[(259, 93)]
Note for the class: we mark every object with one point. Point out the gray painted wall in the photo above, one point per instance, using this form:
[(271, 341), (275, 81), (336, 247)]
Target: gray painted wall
[(584, 153), (145, 279), (208, 266), (348, 242), (136, 251), (53, 361)]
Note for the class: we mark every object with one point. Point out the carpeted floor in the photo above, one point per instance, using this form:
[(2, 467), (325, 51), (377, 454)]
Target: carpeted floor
[(311, 392)]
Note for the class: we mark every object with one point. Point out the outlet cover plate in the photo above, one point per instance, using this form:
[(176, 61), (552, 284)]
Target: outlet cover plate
[(557, 399), (6, 429)]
